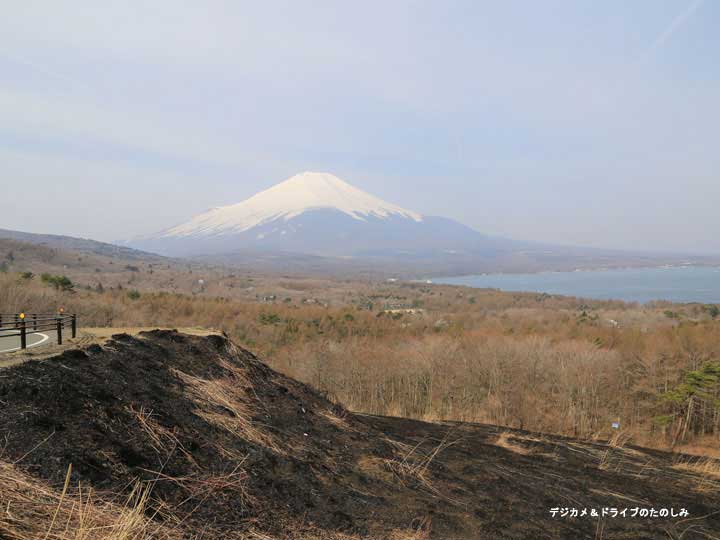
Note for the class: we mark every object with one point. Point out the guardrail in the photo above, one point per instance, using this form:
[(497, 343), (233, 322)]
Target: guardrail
[(23, 324)]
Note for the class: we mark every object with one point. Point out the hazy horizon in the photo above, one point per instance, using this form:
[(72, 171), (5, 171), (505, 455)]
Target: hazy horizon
[(573, 123)]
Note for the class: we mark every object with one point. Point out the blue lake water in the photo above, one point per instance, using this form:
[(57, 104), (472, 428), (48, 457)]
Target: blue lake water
[(678, 284)]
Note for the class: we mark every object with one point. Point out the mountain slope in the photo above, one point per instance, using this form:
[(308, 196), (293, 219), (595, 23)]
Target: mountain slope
[(320, 215), (313, 213), (80, 245), (287, 200)]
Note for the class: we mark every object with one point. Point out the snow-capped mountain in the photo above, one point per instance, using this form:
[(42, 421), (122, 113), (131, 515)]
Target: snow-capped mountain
[(313, 213), (296, 195)]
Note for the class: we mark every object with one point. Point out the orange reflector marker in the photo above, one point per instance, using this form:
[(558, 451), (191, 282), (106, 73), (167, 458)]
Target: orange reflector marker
[(22, 315)]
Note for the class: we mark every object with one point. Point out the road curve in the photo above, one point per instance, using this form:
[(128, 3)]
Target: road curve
[(12, 343)]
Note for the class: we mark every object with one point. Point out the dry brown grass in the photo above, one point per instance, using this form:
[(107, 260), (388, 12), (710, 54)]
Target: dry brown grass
[(164, 441), (412, 463), (33, 511), (707, 471), (157, 433), (224, 402), (506, 440), (619, 439), (606, 459), (701, 446), (420, 529)]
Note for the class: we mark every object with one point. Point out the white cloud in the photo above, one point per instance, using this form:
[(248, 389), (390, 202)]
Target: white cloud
[(675, 25)]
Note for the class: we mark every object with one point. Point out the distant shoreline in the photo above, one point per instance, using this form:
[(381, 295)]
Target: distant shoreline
[(673, 283), (576, 270)]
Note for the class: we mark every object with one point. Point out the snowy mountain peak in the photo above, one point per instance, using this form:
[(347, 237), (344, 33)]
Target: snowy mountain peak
[(296, 195)]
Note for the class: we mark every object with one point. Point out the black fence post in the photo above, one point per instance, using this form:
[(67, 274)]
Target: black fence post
[(34, 321), (23, 335), (59, 331), (73, 325)]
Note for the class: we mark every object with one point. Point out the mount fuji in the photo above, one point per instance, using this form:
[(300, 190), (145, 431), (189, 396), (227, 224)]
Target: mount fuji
[(316, 214)]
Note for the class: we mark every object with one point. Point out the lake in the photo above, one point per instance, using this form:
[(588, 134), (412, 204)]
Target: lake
[(677, 284)]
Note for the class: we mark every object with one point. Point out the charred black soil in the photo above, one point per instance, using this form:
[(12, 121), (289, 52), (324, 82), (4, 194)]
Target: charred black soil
[(233, 449)]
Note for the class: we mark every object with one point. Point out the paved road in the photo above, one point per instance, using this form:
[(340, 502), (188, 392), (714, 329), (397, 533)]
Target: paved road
[(12, 343)]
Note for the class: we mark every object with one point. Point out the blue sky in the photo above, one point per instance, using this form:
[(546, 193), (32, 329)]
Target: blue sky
[(585, 122)]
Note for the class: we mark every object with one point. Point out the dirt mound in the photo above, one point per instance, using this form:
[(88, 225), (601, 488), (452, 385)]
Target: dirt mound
[(223, 438), (228, 448)]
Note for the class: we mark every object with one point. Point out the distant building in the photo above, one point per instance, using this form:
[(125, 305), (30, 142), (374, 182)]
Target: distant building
[(404, 310), (401, 308)]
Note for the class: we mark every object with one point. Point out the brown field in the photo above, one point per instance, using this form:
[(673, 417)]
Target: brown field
[(530, 361)]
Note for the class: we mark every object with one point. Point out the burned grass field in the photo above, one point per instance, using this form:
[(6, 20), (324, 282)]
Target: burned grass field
[(517, 484), (166, 435)]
